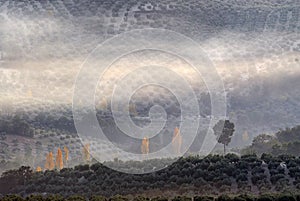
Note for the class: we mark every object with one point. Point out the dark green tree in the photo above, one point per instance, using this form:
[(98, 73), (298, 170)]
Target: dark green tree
[(12, 198), (54, 198), (76, 198), (159, 199), (224, 131), (204, 198), (98, 198), (35, 198), (141, 198), (118, 198), (14, 178)]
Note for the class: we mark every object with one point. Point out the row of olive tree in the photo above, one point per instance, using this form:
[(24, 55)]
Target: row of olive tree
[(213, 174), (243, 197)]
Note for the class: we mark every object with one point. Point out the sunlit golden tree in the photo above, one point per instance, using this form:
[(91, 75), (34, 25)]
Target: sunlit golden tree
[(59, 159), (86, 152), (145, 146), (66, 150), (49, 164), (39, 169), (177, 141)]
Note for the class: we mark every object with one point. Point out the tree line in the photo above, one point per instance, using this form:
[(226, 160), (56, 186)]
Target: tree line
[(213, 174), (17, 126), (285, 141), (243, 197)]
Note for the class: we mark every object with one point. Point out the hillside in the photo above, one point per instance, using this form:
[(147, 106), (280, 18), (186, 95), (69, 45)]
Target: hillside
[(211, 175), (253, 45)]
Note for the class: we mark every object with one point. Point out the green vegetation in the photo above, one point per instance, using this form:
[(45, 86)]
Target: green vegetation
[(283, 142), (224, 131), (15, 125), (244, 197), (211, 175)]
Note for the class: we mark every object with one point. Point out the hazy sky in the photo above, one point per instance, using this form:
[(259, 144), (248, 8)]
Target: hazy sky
[(42, 47)]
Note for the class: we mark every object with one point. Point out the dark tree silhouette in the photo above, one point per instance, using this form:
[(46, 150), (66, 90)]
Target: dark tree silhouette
[(224, 131), (13, 178)]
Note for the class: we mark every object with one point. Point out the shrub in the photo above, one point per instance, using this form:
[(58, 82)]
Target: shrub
[(239, 199), (266, 198), (276, 178), (286, 198), (159, 199), (12, 198), (244, 197), (223, 198), (97, 198), (141, 198), (54, 198), (203, 198), (182, 198), (242, 177), (232, 157), (35, 198), (118, 198), (76, 198)]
